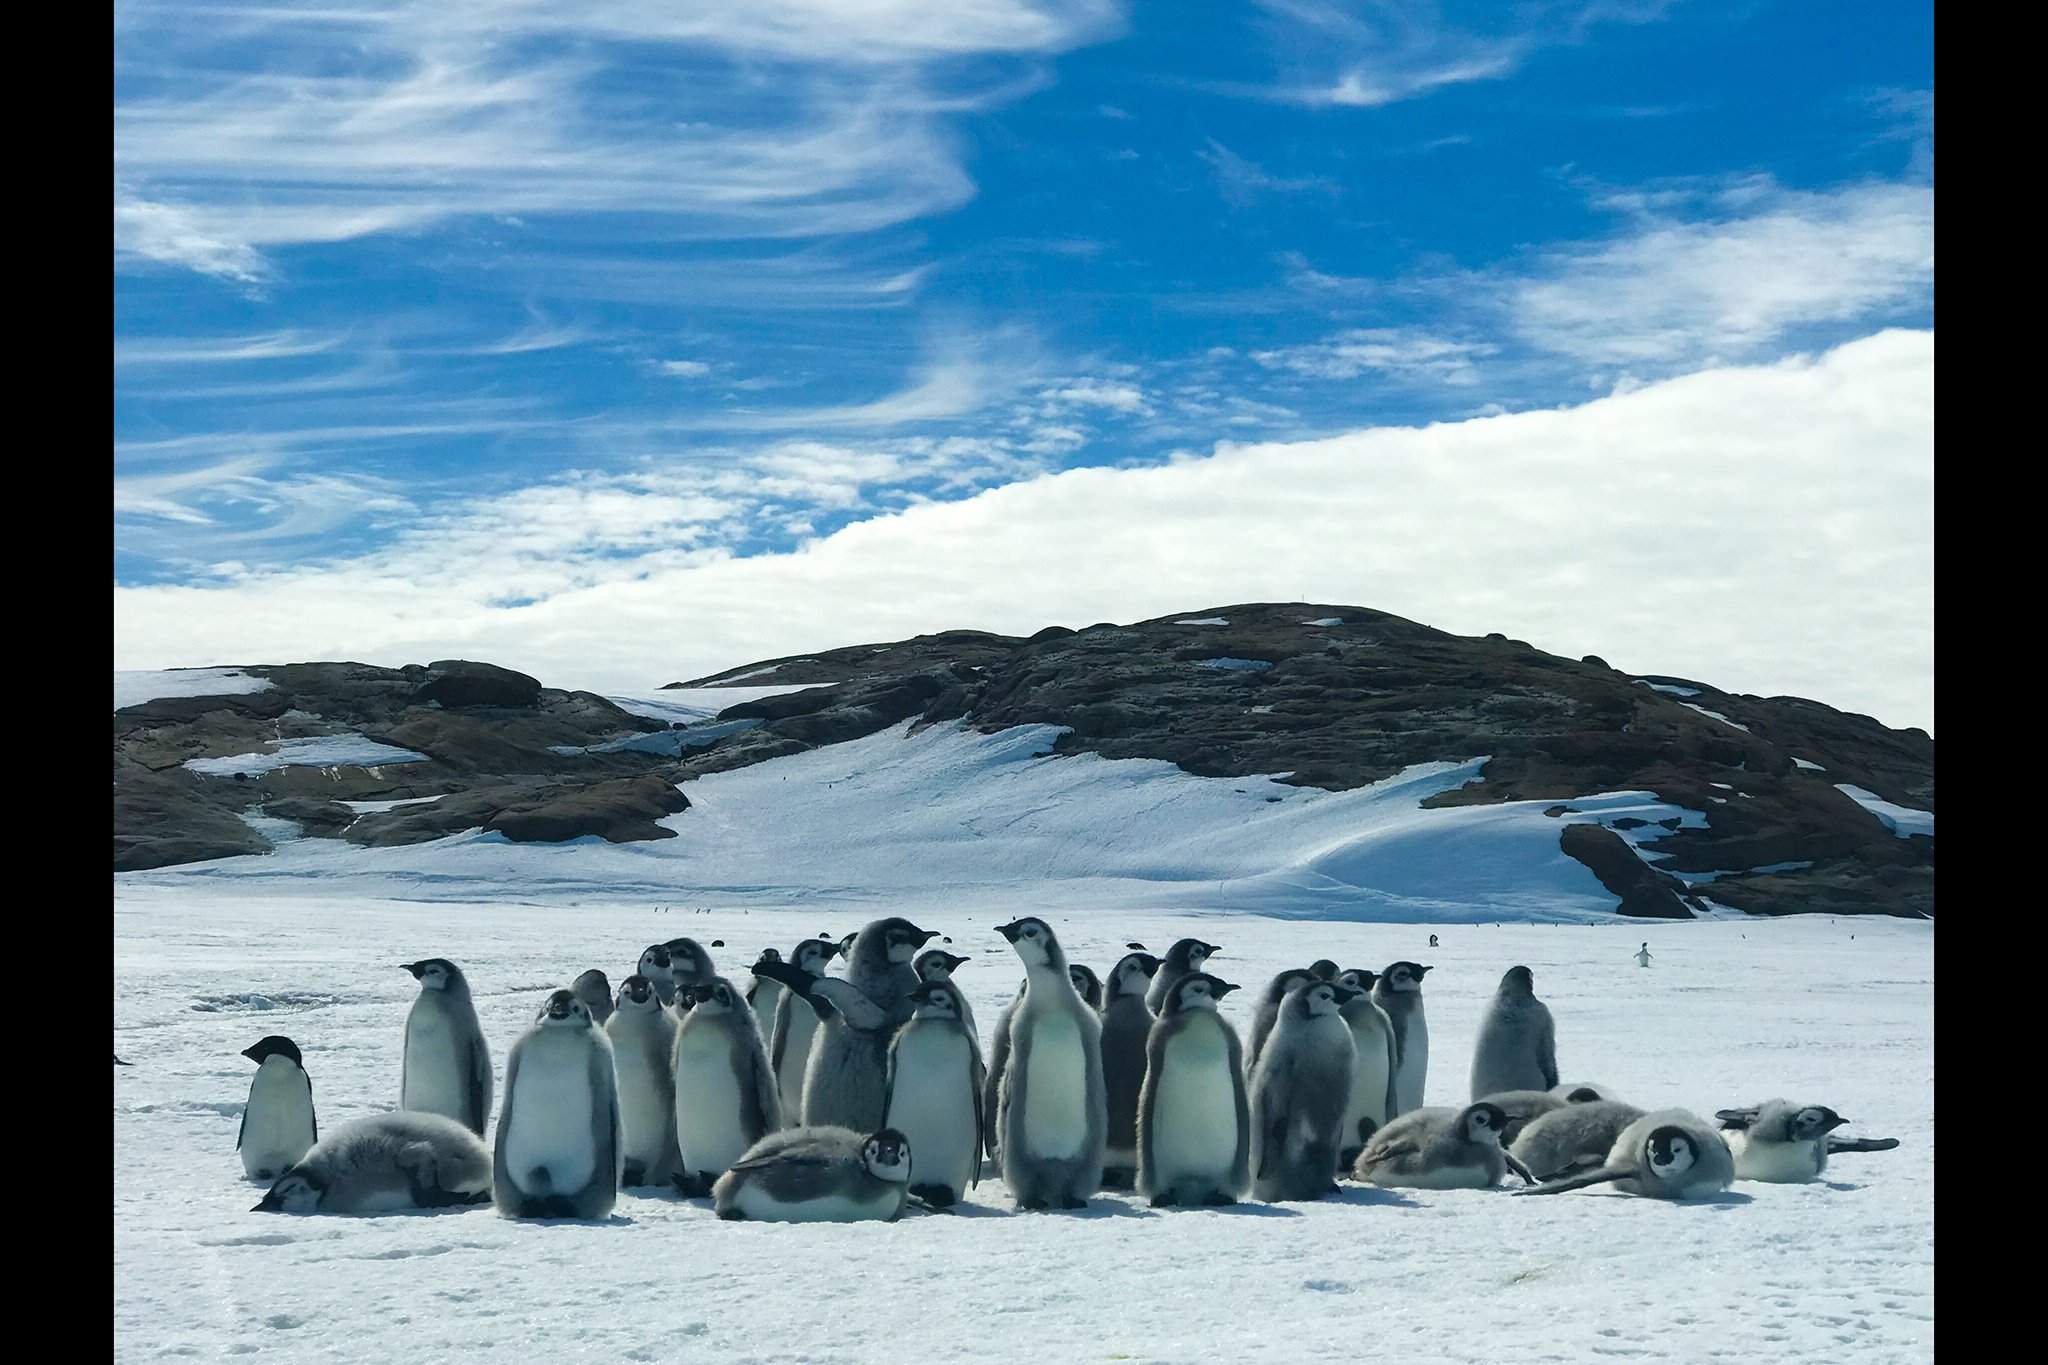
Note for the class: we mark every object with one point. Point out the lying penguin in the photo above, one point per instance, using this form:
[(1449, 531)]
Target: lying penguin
[(817, 1175), (405, 1160)]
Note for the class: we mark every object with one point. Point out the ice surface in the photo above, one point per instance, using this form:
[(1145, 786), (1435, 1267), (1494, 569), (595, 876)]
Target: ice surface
[(1903, 821), (367, 807), (692, 704), (1672, 688), (1716, 715), (1803, 763), (135, 688), (1840, 1272), (1235, 665), (1205, 621), (321, 751), (1325, 621)]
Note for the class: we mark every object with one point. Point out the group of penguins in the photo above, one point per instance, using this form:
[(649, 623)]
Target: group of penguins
[(816, 1097)]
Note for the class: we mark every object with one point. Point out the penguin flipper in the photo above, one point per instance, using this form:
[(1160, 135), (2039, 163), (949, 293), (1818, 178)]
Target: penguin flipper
[(312, 1114), (1836, 1144), (243, 1127), (1578, 1182), (851, 1001), (1737, 1120), (1515, 1165), (977, 1077)]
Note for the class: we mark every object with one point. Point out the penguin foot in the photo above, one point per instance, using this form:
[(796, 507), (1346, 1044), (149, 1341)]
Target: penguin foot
[(635, 1173), (938, 1196), (732, 1215), (1032, 1205), (1164, 1201)]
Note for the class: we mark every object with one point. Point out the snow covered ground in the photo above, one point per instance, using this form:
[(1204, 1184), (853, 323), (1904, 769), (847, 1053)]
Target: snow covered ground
[(135, 687), (1732, 1012)]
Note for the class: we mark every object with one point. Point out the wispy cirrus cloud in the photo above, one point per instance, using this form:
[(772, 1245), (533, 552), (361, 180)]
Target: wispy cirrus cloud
[(1382, 350)]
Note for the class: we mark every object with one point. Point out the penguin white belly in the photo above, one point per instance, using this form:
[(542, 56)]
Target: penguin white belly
[(645, 1112), (277, 1125), (435, 1082), (756, 1202), (707, 1102), (766, 996), (933, 1106), (1368, 1083), (796, 1056), (1055, 1089), (1779, 1163), (1194, 1115), (551, 1116)]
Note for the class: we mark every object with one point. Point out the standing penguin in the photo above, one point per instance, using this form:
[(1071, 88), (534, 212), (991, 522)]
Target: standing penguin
[(763, 995), (557, 1152), (1051, 1110), (998, 1067), (383, 1162), (446, 1068), (1186, 955), (1439, 1149), (1779, 1142), (1299, 1091), (848, 1078), (936, 964), (726, 1099), (278, 1126), (796, 1021), (643, 1037), (688, 963), (596, 994), (1517, 1047), (1371, 1104), (1194, 1123), (1399, 993), (935, 1076), (1323, 969), (1087, 985), (654, 965), (817, 1175), (1666, 1155), (1643, 955), (1268, 1012), (1126, 1024)]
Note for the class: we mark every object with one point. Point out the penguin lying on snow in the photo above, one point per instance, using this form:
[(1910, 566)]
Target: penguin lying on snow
[(1778, 1142), (278, 1126), (1440, 1149), (1666, 1155), (386, 1162), (817, 1175), (1572, 1138)]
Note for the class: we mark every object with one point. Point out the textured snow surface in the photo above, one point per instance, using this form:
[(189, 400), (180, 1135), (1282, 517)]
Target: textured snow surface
[(1904, 821), (904, 820), (321, 751), (1840, 1272), (137, 687), (693, 704), (1716, 715), (1672, 688), (1235, 665), (1205, 621)]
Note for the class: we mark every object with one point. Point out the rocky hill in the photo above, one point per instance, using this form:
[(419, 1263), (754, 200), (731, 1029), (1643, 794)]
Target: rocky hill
[(1801, 803)]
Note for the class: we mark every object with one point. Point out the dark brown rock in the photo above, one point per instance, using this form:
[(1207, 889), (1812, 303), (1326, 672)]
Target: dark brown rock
[(462, 682), (1644, 891)]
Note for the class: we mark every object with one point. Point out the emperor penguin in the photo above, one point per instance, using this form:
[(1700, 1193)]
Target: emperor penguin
[(688, 963), (1194, 1123), (1087, 985), (998, 1066), (1268, 1012), (1578, 1092), (654, 964), (278, 1126), (383, 1162), (1779, 1142), (935, 1076), (847, 1080), (596, 994), (1186, 955), (1670, 1154), (726, 1099), (1573, 1138), (789, 1042), (1126, 1024), (936, 964), (1399, 993), (1523, 1107), (1323, 969), (557, 1153), (1440, 1149), (446, 1068), (846, 948), (643, 1037), (817, 1175), (1643, 958), (1371, 1105), (1517, 1047), (1052, 1111), (763, 994), (1299, 1091)]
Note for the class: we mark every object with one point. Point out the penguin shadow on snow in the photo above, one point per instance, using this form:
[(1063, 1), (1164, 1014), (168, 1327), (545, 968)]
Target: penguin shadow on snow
[(1369, 1196)]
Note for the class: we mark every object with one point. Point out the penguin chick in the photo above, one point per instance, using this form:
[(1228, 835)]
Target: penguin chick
[(1087, 985), (1194, 1122), (1298, 1094), (935, 1076), (596, 994), (1126, 1023), (643, 1037), (1670, 1154), (557, 1150), (384, 1162), (1517, 1045), (1573, 1138), (817, 1175), (1186, 955), (446, 1066), (1439, 1149), (1268, 1012), (1778, 1142)]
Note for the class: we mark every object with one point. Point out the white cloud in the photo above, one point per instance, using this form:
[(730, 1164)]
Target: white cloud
[(1241, 181), (1769, 529), (1388, 351), (685, 369)]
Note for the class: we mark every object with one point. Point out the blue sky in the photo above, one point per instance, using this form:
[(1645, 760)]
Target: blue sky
[(569, 303)]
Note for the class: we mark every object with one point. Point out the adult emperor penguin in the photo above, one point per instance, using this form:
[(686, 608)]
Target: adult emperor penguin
[(1087, 985), (1517, 1047), (654, 964), (1371, 1104), (278, 1126), (1268, 1012), (1439, 1149), (384, 1162), (1670, 1154), (643, 1038), (1574, 1138), (763, 994), (557, 1151), (446, 1069), (817, 1175), (796, 1020), (848, 1077), (1194, 1123), (726, 1099), (1126, 1023), (1399, 993), (935, 1076), (1186, 955), (1052, 1110), (936, 964), (596, 994), (1299, 1091), (1779, 1142)]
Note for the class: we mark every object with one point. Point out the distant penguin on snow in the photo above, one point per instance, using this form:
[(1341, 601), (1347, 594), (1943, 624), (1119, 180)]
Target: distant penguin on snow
[(1517, 1047), (1052, 1111), (557, 1152), (445, 1068), (1126, 1023), (1194, 1121), (278, 1127), (384, 1162)]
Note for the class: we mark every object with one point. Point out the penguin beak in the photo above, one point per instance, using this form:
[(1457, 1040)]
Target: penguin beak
[(1341, 995), (250, 1052), (413, 967), (1421, 972), (1009, 931), (1836, 1122), (925, 936), (1223, 988), (270, 1204)]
